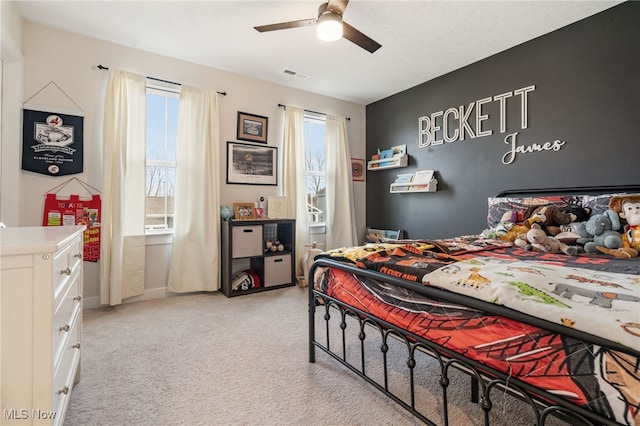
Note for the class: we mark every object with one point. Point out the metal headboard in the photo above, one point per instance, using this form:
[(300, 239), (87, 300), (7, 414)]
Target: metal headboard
[(579, 190)]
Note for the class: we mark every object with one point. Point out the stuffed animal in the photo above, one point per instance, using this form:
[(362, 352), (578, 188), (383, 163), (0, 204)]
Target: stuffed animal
[(578, 214), (572, 213), (541, 242), (555, 219), (628, 208), (508, 220), (538, 214), (600, 230), (517, 233), (518, 230)]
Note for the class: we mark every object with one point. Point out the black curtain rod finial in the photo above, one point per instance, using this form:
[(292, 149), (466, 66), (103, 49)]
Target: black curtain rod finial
[(102, 67)]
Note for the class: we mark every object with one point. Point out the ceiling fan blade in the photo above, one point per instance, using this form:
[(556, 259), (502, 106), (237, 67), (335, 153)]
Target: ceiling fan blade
[(337, 6), (286, 25), (358, 38)]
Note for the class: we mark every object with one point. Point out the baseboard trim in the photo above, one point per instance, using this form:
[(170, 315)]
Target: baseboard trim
[(154, 293)]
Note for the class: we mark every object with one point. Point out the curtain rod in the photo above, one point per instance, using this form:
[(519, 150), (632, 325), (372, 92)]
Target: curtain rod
[(308, 110), (102, 67)]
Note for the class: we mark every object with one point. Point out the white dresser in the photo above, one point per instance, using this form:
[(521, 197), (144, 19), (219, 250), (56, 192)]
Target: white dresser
[(40, 322)]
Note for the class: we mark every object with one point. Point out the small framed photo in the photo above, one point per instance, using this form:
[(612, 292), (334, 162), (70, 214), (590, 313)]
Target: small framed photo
[(252, 127), (357, 169), (244, 211)]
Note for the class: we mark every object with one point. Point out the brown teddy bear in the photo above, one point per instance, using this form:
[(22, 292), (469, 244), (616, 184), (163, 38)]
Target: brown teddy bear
[(552, 218)]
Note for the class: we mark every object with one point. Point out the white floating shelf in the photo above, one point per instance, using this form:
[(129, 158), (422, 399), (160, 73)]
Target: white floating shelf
[(393, 163), (404, 187)]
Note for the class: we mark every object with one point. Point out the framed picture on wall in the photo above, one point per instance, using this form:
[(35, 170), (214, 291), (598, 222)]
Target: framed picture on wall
[(357, 169), (252, 127), (252, 164)]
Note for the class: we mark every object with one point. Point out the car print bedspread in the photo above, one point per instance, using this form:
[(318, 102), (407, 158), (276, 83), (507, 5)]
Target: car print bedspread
[(594, 293), (597, 294)]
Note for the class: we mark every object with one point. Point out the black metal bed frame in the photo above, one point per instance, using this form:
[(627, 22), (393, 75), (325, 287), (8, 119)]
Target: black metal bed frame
[(484, 379)]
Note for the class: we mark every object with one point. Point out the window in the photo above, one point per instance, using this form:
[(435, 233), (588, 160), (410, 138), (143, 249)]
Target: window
[(315, 155), (161, 129)]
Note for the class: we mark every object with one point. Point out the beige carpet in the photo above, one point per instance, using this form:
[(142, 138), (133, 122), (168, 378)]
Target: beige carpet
[(203, 359)]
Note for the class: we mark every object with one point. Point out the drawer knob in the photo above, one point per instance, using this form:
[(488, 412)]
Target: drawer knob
[(77, 298), (66, 271), (64, 328), (64, 390), (78, 255), (76, 346)]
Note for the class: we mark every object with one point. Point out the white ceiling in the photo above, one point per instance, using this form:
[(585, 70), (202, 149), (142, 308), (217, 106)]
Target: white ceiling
[(420, 40)]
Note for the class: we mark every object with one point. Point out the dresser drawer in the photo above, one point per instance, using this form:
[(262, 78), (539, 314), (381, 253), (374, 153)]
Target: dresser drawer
[(247, 241), (65, 313), (65, 372), (76, 254), (65, 263), (277, 270), (61, 268)]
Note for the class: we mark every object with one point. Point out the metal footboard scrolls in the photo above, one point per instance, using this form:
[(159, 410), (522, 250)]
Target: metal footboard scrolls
[(437, 385)]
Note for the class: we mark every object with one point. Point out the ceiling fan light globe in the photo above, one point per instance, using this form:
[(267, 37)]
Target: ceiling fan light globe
[(329, 27)]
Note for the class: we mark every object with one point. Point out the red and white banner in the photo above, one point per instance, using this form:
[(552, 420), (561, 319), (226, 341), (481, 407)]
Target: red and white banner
[(72, 210)]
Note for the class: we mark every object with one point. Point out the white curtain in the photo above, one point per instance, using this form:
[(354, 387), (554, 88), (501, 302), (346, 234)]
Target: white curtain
[(340, 215), (195, 261), (122, 240), (294, 179)]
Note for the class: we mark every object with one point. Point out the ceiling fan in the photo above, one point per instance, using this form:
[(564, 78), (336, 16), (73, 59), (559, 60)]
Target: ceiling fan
[(330, 26)]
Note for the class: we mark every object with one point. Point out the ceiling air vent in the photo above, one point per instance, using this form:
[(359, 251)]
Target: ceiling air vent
[(295, 74)]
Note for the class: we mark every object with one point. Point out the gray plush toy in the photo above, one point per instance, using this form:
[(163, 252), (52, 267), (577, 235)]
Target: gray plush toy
[(600, 230)]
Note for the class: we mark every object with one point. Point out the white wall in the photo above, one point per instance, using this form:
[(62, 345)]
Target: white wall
[(11, 57), (70, 61)]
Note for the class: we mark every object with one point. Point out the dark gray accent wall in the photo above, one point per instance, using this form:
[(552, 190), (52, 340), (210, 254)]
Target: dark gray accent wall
[(587, 94)]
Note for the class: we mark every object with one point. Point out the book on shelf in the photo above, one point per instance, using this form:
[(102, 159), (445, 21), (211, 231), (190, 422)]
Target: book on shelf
[(387, 153), (402, 178), (429, 186), (423, 176), (399, 150)]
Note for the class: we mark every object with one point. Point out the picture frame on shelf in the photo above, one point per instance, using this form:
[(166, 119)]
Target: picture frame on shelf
[(357, 169), (244, 211), (252, 127), (277, 208), (249, 164)]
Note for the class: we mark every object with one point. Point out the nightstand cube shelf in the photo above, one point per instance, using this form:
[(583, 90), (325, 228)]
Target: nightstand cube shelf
[(248, 266)]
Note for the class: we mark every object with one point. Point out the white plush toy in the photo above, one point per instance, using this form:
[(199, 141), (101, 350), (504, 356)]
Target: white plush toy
[(541, 242)]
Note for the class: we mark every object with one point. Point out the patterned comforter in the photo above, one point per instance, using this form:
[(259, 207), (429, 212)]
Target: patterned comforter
[(595, 294)]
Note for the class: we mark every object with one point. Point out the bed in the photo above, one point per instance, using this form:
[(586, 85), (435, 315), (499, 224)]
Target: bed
[(559, 333)]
